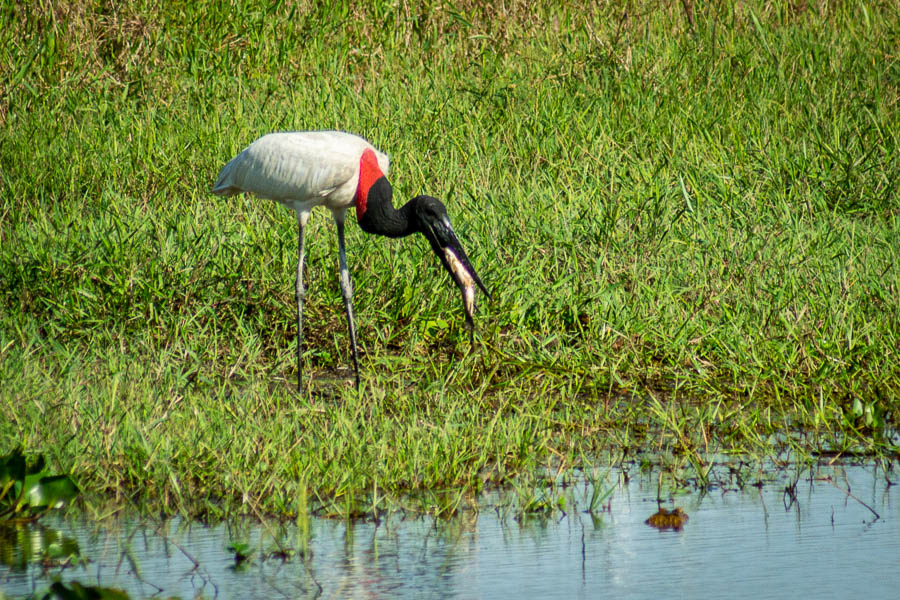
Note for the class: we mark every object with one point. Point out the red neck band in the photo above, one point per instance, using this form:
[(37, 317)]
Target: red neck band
[(369, 173)]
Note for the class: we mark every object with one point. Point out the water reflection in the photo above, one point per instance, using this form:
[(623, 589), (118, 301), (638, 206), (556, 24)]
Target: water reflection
[(820, 536)]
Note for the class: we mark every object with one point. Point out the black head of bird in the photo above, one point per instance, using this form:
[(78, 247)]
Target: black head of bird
[(423, 214)]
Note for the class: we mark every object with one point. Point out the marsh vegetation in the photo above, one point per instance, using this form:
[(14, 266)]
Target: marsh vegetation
[(687, 215)]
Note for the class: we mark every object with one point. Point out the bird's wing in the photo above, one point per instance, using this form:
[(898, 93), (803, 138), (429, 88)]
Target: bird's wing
[(293, 166)]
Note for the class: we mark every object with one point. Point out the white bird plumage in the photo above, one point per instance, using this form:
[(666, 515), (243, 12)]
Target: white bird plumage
[(299, 169)]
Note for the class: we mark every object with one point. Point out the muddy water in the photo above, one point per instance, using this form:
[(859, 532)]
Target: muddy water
[(836, 534)]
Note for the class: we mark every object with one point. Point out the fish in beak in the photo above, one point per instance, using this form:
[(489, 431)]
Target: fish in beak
[(435, 226)]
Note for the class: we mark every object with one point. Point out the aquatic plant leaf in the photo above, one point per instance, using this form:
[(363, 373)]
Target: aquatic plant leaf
[(76, 591), (62, 547), (37, 467), (12, 474), (53, 491), (241, 551), (12, 467)]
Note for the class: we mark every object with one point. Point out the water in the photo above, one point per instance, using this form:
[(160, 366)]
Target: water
[(758, 542)]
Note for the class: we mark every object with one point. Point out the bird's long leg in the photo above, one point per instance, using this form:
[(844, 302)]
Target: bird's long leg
[(300, 292), (347, 291)]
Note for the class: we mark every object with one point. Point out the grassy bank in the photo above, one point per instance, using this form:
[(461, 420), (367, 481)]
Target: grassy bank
[(689, 219)]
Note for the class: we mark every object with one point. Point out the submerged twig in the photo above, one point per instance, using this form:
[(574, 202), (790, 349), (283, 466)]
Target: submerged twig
[(850, 494)]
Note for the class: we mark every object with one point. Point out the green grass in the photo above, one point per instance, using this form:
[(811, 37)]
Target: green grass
[(689, 219)]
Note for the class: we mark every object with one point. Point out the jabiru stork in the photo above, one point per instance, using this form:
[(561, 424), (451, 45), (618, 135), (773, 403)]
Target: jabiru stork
[(305, 169)]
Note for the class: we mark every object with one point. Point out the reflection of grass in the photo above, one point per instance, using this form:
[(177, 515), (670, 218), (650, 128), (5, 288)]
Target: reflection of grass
[(690, 227), (24, 543)]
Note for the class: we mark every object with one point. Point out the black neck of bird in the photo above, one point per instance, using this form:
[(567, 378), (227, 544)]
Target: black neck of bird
[(381, 218)]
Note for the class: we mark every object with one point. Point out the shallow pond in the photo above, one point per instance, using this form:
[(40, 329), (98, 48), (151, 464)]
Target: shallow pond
[(823, 532)]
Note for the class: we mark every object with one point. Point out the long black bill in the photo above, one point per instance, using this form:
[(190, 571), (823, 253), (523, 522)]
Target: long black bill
[(446, 245)]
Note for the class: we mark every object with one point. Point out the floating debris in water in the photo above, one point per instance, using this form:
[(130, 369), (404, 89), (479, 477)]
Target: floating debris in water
[(665, 519)]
